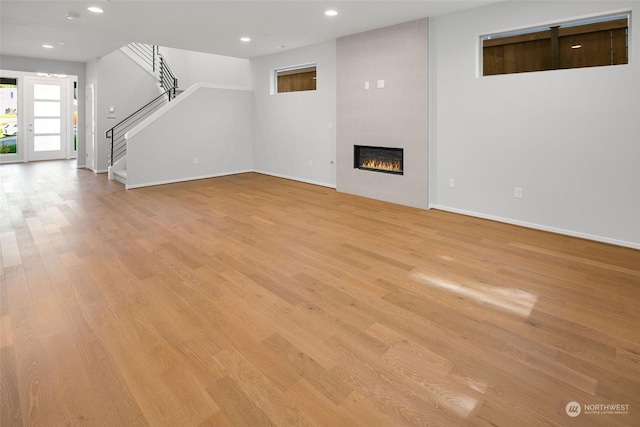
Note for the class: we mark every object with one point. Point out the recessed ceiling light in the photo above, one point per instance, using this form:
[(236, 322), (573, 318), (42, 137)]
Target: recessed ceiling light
[(95, 9), (72, 16), (331, 12), (47, 46), (61, 44), (245, 39)]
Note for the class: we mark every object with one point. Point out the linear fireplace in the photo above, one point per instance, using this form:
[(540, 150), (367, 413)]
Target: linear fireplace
[(378, 159)]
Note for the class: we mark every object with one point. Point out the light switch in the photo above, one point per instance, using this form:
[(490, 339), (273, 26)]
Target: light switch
[(380, 84), (366, 85)]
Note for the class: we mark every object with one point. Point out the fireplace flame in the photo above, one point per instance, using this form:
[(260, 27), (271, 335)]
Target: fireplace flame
[(383, 165)]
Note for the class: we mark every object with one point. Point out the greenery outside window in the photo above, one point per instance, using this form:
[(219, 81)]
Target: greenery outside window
[(8, 115)]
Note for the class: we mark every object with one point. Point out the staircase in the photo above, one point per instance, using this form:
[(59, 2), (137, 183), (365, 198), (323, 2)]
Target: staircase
[(121, 176), (150, 58)]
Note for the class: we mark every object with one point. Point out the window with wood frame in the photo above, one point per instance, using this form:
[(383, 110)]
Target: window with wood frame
[(296, 79), (587, 43)]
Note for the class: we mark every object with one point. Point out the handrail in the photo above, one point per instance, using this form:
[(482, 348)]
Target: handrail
[(144, 52), (167, 79), (150, 55), (117, 133)]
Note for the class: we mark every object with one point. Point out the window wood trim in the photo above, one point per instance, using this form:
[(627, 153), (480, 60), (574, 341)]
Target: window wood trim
[(562, 31), (296, 71)]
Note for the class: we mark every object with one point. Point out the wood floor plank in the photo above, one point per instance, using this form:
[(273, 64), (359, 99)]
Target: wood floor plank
[(254, 300), (6, 335), (9, 249), (10, 413), (236, 405), (192, 396), (325, 381), (280, 408)]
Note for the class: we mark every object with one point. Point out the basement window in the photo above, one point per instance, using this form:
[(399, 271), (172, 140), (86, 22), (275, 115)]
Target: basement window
[(594, 42), (295, 79)]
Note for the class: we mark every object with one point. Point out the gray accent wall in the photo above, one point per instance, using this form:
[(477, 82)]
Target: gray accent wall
[(393, 116)]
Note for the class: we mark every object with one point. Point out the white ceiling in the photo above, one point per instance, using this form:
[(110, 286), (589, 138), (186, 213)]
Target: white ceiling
[(205, 26)]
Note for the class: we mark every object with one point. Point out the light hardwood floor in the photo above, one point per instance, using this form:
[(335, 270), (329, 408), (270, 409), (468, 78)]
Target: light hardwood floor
[(250, 300)]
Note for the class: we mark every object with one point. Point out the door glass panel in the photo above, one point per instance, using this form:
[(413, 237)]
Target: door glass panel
[(8, 115), (41, 91), (46, 109), (46, 126), (46, 142)]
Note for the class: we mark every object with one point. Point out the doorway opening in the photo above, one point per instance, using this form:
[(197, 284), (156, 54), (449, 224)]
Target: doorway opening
[(38, 116)]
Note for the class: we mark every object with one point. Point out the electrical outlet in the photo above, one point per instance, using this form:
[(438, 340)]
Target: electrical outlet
[(452, 183), (518, 193), (195, 160), (380, 84)]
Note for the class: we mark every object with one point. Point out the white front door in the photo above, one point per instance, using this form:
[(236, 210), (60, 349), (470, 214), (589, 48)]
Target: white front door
[(48, 120), (90, 116)]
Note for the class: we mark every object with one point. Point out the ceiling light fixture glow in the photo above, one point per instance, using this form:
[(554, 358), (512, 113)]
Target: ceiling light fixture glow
[(245, 39), (95, 9), (331, 13), (47, 46), (576, 46)]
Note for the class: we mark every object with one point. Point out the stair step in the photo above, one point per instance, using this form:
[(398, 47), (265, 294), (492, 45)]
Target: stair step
[(121, 176)]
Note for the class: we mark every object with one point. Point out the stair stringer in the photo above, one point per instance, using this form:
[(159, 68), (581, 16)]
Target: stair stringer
[(120, 164)]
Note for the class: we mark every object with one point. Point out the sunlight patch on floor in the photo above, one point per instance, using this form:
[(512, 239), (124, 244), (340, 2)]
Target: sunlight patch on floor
[(458, 403), (512, 300)]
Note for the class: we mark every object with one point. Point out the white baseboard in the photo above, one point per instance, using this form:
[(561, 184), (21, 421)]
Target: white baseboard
[(534, 226), (193, 178), (101, 171), (293, 178)]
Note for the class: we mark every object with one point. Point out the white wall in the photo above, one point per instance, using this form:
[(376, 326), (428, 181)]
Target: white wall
[(123, 84), (293, 129), (210, 124), (569, 138), (196, 67), (91, 70)]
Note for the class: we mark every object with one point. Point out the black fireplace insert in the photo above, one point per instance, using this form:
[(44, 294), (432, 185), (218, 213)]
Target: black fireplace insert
[(378, 159)]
